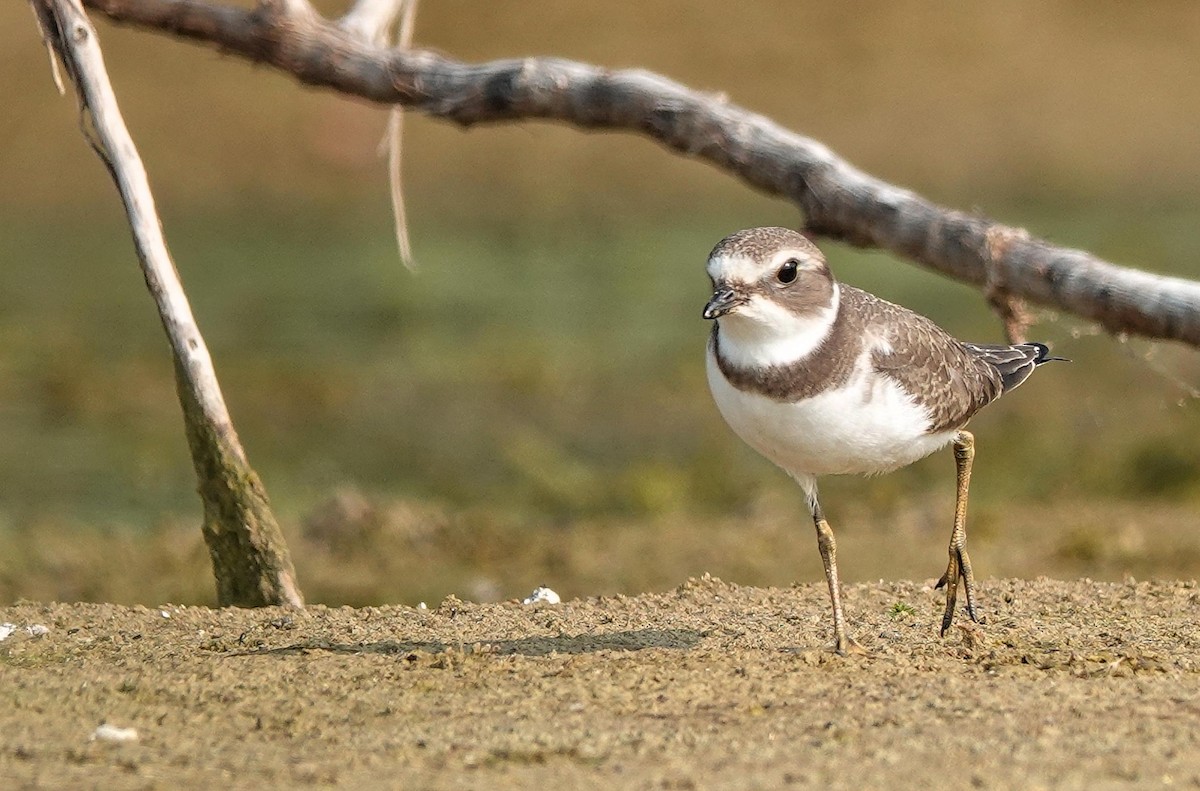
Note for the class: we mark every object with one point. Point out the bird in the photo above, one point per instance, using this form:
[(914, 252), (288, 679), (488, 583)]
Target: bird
[(822, 378)]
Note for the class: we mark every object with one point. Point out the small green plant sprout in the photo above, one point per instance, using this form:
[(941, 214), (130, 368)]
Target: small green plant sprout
[(901, 610)]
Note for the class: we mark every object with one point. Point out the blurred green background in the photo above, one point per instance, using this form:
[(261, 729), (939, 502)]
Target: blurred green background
[(530, 407)]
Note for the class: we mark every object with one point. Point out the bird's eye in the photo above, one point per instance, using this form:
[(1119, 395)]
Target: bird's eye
[(787, 272)]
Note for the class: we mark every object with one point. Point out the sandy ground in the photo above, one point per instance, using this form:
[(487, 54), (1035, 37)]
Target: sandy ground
[(1069, 685)]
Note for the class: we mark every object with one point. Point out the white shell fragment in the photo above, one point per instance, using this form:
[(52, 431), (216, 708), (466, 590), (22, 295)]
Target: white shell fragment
[(114, 734), (542, 594), (34, 630)]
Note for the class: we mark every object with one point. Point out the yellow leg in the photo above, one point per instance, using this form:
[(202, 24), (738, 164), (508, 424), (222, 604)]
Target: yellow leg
[(843, 643), (960, 562)]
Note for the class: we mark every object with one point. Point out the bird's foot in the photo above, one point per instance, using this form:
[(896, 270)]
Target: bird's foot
[(958, 569), (848, 646)]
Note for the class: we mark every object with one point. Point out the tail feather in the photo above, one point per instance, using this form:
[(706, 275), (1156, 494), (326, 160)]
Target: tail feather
[(1015, 363)]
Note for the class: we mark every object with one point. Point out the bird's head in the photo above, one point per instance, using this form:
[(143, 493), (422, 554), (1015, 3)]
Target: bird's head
[(768, 276)]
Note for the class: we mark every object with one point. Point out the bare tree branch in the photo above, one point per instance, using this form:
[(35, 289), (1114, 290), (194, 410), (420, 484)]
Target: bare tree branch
[(249, 556), (838, 200)]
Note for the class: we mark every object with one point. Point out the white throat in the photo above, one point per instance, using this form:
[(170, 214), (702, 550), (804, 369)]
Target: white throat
[(762, 333)]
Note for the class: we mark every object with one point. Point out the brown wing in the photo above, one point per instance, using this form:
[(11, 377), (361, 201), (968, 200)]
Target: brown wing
[(927, 362)]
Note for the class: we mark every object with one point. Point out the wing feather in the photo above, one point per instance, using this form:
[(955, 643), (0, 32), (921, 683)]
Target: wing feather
[(1015, 363), (929, 364)]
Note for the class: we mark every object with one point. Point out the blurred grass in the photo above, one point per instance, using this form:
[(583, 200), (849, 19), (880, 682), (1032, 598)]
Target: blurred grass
[(541, 393), (531, 406)]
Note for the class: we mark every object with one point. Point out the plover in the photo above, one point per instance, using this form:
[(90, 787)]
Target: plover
[(822, 378)]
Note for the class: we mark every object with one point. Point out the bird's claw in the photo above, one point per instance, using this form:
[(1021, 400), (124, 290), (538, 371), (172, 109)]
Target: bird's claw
[(848, 646), (959, 569)]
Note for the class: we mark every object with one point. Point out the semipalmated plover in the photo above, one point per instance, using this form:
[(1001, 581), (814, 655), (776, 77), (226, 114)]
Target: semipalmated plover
[(825, 379)]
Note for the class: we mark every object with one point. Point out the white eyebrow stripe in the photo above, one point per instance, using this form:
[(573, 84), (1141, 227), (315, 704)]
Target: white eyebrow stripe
[(735, 269), (744, 270)]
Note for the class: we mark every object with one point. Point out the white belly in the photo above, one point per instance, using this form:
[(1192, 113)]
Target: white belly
[(870, 425)]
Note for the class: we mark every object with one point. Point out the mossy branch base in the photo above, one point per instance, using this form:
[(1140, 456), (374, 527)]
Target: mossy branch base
[(250, 558)]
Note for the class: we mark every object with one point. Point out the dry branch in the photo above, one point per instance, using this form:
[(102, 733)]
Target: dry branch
[(250, 559), (838, 200)]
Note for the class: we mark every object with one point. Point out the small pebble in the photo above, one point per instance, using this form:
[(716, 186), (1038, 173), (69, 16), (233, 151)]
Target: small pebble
[(114, 734), (542, 594), (34, 630)]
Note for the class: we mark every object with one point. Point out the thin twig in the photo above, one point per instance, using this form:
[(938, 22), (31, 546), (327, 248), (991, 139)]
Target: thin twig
[(395, 134), (372, 20), (404, 40), (54, 72)]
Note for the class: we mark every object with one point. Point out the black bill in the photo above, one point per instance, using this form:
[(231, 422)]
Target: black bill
[(724, 299)]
